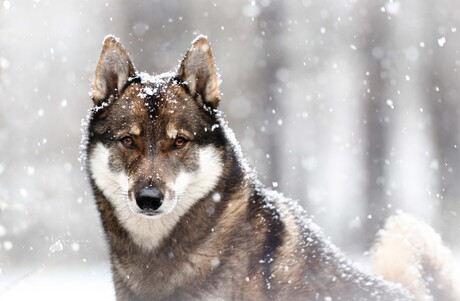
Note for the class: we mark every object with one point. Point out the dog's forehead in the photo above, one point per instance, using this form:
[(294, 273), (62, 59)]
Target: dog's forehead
[(154, 97), (160, 105)]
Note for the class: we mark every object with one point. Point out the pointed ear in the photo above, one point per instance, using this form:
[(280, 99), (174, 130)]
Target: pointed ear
[(197, 69), (113, 70)]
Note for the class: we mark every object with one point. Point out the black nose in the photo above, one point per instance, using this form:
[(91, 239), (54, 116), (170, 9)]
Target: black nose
[(149, 199)]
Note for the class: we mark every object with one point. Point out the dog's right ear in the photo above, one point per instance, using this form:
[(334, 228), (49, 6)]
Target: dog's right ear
[(113, 70)]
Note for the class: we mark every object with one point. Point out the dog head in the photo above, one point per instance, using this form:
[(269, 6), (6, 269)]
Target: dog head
[(155, 144)]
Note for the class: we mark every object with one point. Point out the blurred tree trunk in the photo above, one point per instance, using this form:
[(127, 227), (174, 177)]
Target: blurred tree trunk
[(444, 110), (441, 82), (377, 44), (271, 27)]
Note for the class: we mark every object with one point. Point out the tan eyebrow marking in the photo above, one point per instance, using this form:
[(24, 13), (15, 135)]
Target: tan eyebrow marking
[(135, 130), (171, 131)]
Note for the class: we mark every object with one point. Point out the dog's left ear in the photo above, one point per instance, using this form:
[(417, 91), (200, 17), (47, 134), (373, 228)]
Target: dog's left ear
[(198, 71)]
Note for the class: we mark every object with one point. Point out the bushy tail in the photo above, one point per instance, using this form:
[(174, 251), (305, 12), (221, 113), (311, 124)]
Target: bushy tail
[(411, 253)]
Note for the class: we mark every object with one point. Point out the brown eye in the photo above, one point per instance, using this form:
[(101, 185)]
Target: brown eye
[(127, 142), (180, 142)]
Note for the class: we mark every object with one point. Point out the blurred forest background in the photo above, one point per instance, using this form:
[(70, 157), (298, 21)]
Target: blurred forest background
[(352, 107)]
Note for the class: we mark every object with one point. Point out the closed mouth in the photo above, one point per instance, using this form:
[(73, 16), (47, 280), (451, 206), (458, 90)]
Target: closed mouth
[(150, 212)]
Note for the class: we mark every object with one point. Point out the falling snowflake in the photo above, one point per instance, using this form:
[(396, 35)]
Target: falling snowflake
[(442, 41)]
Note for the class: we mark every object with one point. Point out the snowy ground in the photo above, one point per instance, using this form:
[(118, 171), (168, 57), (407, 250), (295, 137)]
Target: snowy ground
[(57, 283), (77, 283)]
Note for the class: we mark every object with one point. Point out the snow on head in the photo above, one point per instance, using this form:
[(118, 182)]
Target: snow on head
[(152, 83)]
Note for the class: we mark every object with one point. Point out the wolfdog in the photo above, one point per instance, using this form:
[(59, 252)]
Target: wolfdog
[(186, 219)]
